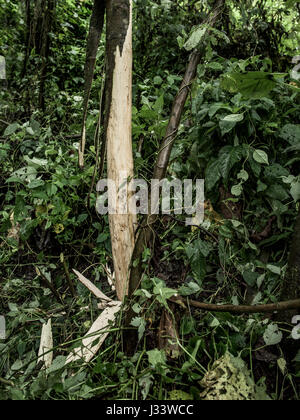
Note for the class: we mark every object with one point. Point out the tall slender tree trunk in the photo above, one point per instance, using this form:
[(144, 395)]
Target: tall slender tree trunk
[(47, 25), (27, 36), (95, 31), (118, 133)]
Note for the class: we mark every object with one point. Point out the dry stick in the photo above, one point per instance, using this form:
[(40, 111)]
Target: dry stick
[(163, 158), (272, 307), (96, 26)]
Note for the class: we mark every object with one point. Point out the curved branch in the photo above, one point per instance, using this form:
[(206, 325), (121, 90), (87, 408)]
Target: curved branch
[(272, 307)]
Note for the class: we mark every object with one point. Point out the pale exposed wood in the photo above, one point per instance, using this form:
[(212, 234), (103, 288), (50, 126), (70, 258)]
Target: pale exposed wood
[(92, 288), (120, 159), (96, 335), (46, 344)]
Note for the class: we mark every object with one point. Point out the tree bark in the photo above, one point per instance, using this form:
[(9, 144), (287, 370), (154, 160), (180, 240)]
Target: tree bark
[(118, 133), (95, 31), (47, 24), (241, 309)]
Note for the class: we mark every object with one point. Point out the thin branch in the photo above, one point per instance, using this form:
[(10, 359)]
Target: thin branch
[(272, 307)]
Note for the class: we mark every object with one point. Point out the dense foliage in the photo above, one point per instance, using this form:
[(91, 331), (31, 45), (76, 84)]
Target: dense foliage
[(240, 132)]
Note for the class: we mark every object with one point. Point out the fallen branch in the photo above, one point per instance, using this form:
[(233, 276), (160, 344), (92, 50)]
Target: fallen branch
[(272, 307), (98, 332), (96, 335), (92, 288)]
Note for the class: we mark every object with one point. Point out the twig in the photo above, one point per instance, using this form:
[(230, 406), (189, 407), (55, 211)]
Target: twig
[(196, 226)]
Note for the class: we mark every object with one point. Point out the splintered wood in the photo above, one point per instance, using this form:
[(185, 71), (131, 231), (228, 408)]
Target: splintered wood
[(100, 329)]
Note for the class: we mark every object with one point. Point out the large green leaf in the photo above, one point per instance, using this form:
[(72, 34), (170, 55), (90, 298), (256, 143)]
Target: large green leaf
[(212, 175), (251, 84), (272, 335), (260, 156), (291, 133), (11, 129), (195, 38)]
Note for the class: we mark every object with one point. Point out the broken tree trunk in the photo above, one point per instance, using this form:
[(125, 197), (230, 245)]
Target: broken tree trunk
[(118, 134), (96, 26)]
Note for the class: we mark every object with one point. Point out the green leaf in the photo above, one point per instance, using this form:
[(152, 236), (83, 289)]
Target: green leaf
[(141, 324), (243, 175), (58, 363), (261, 186), (30, 131), (157, 80), (252, 85), (297, 358), (195, 38), (226, 163), (237, 190), (215, 65), (272, 335), (35, 162), (291, 133), (204, 247), (11, 129), (250, 277), (295, 190), (226, 126), (102, 237), (145, 383), (163, 293), (275, 171), (156, 357), (234, 118), (274, 269), (189, 289), (36, 183), (277, 192), (212, 175), (159, 104), (260, 156)]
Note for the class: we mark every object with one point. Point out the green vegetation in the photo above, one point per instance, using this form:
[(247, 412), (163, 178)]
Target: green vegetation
[(240, 131)]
